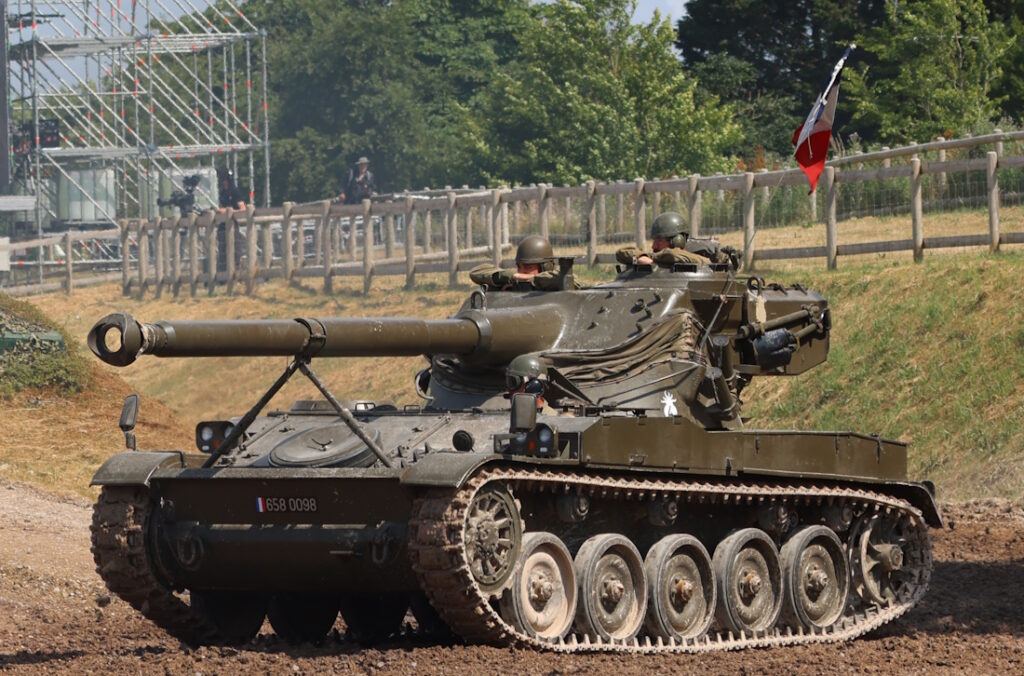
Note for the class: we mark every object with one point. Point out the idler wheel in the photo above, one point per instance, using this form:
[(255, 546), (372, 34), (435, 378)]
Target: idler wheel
[(372, 618), (493, 538), (878, 545), (681, 588), (237, 616), (302, 617), (817, 578), (612, 588), (542, 599), (749, 579)]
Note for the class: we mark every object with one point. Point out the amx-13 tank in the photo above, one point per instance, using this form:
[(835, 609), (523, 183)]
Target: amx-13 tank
[(618, 502)]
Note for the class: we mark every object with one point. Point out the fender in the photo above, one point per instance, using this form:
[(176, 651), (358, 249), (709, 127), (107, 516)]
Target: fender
[(135, 468), (446, 470)]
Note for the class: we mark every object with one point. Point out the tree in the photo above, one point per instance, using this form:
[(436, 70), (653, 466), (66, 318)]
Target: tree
[(937, 61), (595, 96), (770, 57)]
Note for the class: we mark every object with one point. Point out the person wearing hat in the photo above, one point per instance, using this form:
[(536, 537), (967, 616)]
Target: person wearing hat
[(534, 267), (668, 234), (228, 194), (359, 184)]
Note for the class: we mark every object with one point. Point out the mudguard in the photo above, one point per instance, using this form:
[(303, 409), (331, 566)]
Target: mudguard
[(445, 470), (135, 468)]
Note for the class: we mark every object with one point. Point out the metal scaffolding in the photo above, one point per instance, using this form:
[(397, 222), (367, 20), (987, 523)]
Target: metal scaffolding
[(114, 102)]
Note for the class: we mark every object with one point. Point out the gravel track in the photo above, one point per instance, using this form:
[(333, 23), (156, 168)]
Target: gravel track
[(56, 616)]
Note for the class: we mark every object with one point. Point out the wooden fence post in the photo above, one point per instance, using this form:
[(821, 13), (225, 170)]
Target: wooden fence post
[(318, 243), (250, 249), (620, 210), (748, 221), (831, 228), (602, 215), (992, 180), (212, 253), (451, 223), (639, 213), (677, 200), (328, 259), (544, 206), (230, 228), (517, 224), (469, 228), (694, 203), (267, 237), (495, 226), (68, 264), (566, 211), (125, 258), (286, 240), (428, 233), (410, 243), (143, 249), (389, 234), (942, 174), (193, 254), (158, 237), (367, 248), (176, 255), (916, 215), (503, 216), (591, 215)]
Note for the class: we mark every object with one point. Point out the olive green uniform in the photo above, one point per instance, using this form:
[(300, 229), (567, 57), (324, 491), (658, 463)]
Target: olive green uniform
[(494, 277), (668, 257)]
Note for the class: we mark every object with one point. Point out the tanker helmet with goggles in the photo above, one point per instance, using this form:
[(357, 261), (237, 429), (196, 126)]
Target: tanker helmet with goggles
[(671, 227), (524, 370)]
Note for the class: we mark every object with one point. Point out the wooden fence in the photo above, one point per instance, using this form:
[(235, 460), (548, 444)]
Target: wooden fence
[(409, 234)]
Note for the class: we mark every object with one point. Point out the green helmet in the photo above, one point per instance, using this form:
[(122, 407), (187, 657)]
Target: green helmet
[(534, 249), (524, 368), (672, 227)]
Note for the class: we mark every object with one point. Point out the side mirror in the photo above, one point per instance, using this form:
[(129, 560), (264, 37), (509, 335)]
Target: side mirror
[(129, 415), (524, 413)]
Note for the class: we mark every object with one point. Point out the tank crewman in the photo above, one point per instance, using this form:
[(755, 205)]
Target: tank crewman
[(527, 373), (669, 235), (534, 266), (228, 194)]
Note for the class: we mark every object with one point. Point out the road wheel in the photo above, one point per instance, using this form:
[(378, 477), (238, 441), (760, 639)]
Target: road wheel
[(749, 579), (372, 618), (302, 618), (237, 616), (681, 588), (612, 588), (542, 599), (817, 578)]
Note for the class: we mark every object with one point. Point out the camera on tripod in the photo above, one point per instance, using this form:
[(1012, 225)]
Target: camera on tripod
[(184, 199)]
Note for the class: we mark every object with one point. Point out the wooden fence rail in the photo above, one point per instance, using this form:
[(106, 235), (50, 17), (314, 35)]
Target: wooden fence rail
[(409, 234)]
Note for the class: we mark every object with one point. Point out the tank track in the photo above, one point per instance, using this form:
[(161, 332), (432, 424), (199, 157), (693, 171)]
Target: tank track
[(124, 563), (438, 557)]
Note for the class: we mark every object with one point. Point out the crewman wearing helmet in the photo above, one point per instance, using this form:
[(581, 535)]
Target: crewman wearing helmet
[(534, 267), (668, 234), (527, 373)]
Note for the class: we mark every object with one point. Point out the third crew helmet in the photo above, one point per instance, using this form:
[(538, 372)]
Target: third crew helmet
[(535, 249)]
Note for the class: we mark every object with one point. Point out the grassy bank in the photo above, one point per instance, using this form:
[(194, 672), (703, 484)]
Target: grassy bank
[(928, 353)]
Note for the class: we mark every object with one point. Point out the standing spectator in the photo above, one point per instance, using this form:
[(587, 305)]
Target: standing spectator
[(359, 183), (228, 193)]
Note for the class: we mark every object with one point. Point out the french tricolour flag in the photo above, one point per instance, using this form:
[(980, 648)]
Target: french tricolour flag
[(813, 136)]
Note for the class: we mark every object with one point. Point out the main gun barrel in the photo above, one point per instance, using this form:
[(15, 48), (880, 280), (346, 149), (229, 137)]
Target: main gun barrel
[(118, 339)]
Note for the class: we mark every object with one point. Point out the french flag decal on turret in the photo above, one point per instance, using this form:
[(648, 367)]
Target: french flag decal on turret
[(813, 136)]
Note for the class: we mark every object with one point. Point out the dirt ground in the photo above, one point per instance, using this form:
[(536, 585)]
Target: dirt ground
[(56, 616)]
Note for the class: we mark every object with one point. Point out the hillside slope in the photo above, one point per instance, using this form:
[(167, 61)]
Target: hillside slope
[(929, 354)]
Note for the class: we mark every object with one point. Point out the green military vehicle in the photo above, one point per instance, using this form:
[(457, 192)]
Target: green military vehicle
[(621, 503)]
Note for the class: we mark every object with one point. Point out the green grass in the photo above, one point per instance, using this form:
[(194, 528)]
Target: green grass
[(928, 354), (60, 371)]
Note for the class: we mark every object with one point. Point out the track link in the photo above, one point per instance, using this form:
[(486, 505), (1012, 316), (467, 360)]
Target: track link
[(122, 559), (438, 556)]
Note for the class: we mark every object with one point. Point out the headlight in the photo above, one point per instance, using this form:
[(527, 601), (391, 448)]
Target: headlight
[(210, 434)]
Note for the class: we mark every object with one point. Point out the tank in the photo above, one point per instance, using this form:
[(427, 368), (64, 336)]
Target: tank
[(626, 505)]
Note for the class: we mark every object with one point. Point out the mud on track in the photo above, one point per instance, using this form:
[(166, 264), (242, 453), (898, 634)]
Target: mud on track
[(56, 616)]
